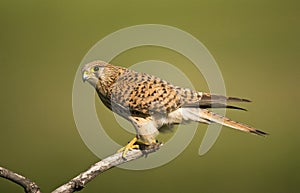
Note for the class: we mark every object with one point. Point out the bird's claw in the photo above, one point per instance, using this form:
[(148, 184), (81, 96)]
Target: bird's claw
[(130, 146)]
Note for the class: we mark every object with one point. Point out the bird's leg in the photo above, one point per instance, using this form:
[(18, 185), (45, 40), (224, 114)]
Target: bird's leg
[(143, 145), (130, 146)]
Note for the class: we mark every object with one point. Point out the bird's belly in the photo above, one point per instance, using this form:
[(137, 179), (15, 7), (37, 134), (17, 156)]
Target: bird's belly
[(172, 118)]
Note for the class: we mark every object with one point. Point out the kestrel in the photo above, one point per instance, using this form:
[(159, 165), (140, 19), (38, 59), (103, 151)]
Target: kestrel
[(149, 102)]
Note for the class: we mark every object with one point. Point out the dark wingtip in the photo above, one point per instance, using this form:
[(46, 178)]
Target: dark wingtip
[(218, 105), (235, 107), (236, 99), (246, 100), (258, 132)]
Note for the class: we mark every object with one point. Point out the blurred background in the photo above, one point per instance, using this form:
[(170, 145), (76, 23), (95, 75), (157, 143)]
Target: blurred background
[(256, 44)]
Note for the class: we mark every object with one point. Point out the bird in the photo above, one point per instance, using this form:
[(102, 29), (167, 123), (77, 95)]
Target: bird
[(150, 103)]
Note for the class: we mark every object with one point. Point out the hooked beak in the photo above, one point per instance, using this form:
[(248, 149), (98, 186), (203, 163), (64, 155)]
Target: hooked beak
[(85, 76)]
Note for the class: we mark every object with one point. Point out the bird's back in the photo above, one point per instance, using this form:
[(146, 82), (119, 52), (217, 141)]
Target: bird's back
[(145, 94)]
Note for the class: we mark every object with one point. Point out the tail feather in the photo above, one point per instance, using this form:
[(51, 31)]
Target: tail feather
[(213, 117), (207, 116), (195, 109)]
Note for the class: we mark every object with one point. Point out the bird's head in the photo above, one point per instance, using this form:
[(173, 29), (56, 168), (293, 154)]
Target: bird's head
[(92, 71)]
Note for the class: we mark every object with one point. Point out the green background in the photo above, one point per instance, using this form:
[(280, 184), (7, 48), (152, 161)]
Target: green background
[(256, 44)]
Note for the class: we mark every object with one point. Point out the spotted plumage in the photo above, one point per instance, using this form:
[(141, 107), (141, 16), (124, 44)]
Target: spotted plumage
[(150, 102)]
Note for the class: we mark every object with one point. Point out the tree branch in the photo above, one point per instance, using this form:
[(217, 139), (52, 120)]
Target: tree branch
[(79, 182), (85, 177), (28, 185)]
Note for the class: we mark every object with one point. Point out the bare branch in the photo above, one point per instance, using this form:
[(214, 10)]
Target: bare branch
[(28, 185), (77, 183), (82, 179)]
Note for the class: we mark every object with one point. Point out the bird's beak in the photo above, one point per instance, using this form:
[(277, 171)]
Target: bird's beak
[(85, 76)]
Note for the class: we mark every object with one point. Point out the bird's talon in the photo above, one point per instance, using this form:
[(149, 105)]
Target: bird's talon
[(130, 146)]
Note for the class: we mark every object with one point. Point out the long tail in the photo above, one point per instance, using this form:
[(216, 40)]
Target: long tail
[(213, 117), (206, 116), (195, 109)]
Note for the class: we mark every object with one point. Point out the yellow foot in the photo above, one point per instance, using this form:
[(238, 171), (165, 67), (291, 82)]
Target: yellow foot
[(130, 146)]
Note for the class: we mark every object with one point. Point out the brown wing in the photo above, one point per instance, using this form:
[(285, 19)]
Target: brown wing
[(144, 94)]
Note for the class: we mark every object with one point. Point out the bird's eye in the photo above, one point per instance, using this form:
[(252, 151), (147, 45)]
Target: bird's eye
[(96, 68)]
